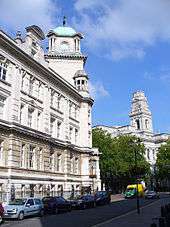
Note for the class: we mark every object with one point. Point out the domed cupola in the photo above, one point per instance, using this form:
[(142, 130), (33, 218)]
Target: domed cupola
[(81, 81), (64, 40), (64, 52)]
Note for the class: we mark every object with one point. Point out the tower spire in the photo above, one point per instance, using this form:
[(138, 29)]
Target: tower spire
[(140, 114), (64, 21)]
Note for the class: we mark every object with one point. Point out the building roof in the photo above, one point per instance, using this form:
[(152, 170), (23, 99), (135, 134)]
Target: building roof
[(64, 31)]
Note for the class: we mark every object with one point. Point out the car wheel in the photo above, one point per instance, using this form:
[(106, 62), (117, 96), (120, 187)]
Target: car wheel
[(21, 216), (41, 213)]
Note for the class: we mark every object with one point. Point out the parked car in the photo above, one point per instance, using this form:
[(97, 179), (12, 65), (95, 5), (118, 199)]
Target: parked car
[(83, 202), (20, 208), (1, 213), (56, 204), (151, 195), (102, 197)]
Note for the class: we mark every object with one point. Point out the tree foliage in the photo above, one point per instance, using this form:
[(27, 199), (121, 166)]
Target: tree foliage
[(163, 161), (117, 158)]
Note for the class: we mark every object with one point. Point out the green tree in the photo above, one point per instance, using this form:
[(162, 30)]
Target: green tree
[(163, 161), (117, 160)]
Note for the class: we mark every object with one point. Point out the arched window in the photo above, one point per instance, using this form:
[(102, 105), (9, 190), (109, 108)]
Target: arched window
[(138, 124), (65, 47), (146, 123)]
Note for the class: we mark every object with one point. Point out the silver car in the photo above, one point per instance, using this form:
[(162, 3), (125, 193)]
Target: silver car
[(20, 208)]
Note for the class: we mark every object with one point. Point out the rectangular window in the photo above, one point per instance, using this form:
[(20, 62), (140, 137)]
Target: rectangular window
[(21, 114), (30, 115), (76, 165), (76, 136), (52, 98), (41, 160), (1, 149), (51, 162), (2, 103), (58, 129), (58, 167), (31, 157), (22, 156), (3, 71), (39, 121), (31, 85), (52, 126), (70, 133)]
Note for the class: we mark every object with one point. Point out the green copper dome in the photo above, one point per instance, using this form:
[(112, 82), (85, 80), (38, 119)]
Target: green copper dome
[(65, 31)]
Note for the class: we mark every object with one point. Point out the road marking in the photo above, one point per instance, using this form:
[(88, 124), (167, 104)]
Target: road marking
[(123, 215)]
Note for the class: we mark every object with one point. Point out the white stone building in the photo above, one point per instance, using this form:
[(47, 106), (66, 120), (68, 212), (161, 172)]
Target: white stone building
[(141, 127), (45, 116)]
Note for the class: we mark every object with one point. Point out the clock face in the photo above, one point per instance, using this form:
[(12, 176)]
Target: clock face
[(65, 47)]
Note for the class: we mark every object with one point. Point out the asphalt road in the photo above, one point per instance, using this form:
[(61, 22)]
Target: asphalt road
[(80, 218)]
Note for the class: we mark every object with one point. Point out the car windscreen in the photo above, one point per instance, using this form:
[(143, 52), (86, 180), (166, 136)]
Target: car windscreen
[(130, 189), (47, 199), (17, 202)]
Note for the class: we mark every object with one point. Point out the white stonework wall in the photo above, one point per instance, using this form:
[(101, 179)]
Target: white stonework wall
[(66, 68), (25, 124)]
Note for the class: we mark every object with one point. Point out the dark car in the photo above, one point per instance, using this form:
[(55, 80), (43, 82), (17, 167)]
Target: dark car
[(56, 204), (1, 213), (151, 195), (102, 197), (83, 202)]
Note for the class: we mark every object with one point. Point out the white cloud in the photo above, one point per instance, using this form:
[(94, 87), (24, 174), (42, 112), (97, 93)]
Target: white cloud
[(123, 28), (97, 90), (17, 14)]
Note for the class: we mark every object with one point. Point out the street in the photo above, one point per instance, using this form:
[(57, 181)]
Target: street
[(84, 218)]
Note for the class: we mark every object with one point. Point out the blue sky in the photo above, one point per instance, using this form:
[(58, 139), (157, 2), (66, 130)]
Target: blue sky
[(128, 48)]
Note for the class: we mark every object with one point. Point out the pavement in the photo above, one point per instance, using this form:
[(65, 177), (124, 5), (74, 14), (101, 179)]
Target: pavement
[(132, 219)]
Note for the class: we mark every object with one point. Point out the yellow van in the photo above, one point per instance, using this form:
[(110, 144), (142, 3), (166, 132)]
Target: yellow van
[(131, 191)]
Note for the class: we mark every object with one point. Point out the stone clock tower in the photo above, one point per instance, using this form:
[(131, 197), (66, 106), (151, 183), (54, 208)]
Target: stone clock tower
[(64, 53)]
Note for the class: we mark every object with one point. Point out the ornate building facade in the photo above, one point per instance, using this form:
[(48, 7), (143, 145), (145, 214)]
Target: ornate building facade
[(140, 126), (45, 116)]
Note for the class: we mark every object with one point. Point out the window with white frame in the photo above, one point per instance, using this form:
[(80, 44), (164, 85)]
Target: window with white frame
[(31, 85), (58, 162), (76, 165), (40, 90), (76, 135), (71, 163), (39, 120), (30, 116), (22, 156), (52, 98), (51, 161), (58, 129), (70, 108), (3, 71), (21, 113), (1, 149), (31, 157), (70, 133), (2, 104), (58, 102), (52, 126), (41, 160)]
